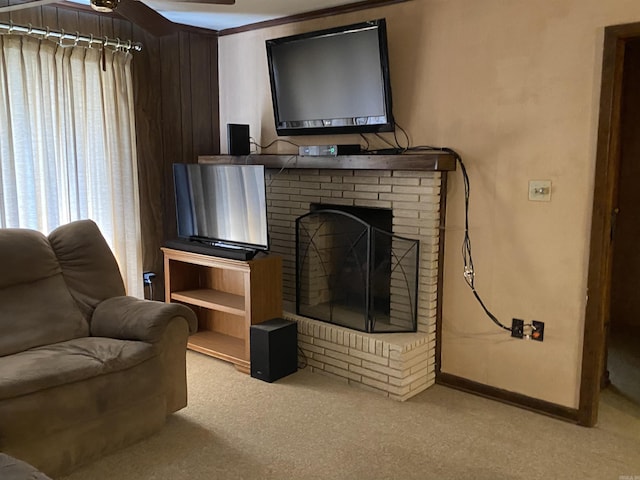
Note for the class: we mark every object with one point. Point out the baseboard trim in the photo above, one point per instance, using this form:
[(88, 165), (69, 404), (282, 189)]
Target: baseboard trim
[(511, 398)]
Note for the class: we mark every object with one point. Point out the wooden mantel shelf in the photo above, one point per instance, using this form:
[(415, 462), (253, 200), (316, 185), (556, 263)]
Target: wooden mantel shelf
[(425, 161)]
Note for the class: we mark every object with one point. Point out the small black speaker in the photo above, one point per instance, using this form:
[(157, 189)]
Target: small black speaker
[(238, 139), (274, 349)]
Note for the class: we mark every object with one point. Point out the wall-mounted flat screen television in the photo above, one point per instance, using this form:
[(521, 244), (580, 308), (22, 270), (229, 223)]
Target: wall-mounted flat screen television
[(221, 205), (331, 81)]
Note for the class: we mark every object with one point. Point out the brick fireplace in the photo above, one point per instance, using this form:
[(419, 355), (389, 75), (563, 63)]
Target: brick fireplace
[(397, 365)]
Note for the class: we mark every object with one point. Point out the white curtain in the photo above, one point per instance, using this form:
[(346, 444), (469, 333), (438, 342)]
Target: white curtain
[(67, 144)]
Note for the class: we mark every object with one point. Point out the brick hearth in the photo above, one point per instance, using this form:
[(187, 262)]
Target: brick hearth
[(398, 365)]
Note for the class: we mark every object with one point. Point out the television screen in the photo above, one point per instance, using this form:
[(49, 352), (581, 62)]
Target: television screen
[(222, 204), (331, 81)]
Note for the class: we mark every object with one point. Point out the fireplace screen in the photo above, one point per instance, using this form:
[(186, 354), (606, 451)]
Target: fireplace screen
[(352, 274)]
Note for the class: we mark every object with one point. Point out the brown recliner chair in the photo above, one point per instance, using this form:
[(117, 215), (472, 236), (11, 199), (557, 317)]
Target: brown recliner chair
[(84, 369)]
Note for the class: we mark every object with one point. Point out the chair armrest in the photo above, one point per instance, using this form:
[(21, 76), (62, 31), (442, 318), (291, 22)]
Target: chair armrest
[(130, 318)]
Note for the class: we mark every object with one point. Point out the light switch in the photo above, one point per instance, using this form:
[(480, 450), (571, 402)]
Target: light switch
[(540, 190)]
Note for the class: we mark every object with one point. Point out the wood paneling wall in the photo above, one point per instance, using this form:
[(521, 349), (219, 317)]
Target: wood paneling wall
[(176, 101)]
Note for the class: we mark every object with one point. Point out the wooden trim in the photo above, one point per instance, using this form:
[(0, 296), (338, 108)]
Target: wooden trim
[(430, 162), (440, 287), (606, 178), (325, 12), (505, 396)]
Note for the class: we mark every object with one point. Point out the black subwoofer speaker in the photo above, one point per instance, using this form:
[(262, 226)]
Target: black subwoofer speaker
[(274, 349), (238, 139)]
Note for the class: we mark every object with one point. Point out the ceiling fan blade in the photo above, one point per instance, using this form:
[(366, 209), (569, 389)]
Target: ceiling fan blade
[(146, 18)]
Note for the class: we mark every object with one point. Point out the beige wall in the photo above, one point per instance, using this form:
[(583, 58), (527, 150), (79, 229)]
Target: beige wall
[(513, 86)]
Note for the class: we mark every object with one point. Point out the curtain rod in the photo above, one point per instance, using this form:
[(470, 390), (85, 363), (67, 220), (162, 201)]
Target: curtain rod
[(76, 37)]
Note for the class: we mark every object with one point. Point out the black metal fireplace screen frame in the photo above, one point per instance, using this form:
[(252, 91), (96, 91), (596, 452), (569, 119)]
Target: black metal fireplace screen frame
[(355, 275)]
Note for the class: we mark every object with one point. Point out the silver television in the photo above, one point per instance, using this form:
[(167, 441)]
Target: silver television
[(221, 205)]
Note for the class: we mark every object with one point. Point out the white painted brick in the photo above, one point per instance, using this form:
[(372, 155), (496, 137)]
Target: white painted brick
[(406, 205), (305, 198), (327, 360), (420, 190), (375, 383), (361, 180), (342, 373), (418, 385), (409, 379), (365, 372), (407, 364), (430, 225), (287, 204), (275, 182), (400, 181), (315, 178), (405, 213), (334, 336), (310, 348), (368, 357), (373, 188), (400, 197), (331, 346), (392, 372), (281, 214), (343, 357), (337, 186), (361, 195), (279, 196), (314, 363), (338, 173)]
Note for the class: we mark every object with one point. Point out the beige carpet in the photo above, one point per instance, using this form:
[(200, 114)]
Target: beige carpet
[(309, 426)]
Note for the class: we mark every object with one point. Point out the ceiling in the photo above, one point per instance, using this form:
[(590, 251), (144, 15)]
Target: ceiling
[(242, 13)]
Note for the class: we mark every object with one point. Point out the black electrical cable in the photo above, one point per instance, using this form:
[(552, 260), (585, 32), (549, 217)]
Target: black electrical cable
[(264, 147), (467, 258), (406, 135)]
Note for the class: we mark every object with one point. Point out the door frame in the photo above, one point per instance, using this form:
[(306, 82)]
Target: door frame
[(604, 201)]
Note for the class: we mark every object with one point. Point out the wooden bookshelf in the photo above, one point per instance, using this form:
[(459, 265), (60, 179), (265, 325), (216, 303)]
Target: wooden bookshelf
[(228, 297)]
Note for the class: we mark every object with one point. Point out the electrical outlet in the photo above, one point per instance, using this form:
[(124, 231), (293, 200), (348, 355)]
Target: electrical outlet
[(517, 328), (538, 331)]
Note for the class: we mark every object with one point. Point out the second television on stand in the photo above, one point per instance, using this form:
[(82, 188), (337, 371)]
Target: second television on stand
[(221, 210)]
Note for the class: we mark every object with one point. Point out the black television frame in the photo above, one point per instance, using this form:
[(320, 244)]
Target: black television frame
[(388, 126)]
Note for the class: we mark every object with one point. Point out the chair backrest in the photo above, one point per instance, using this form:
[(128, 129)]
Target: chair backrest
[(88, 266), (36, 307)]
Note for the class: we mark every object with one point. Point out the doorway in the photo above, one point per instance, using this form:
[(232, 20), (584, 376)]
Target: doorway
[(622, 372), (611, 352)]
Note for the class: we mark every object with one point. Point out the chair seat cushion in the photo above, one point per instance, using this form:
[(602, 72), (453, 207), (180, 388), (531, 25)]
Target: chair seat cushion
[(67, 362)]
